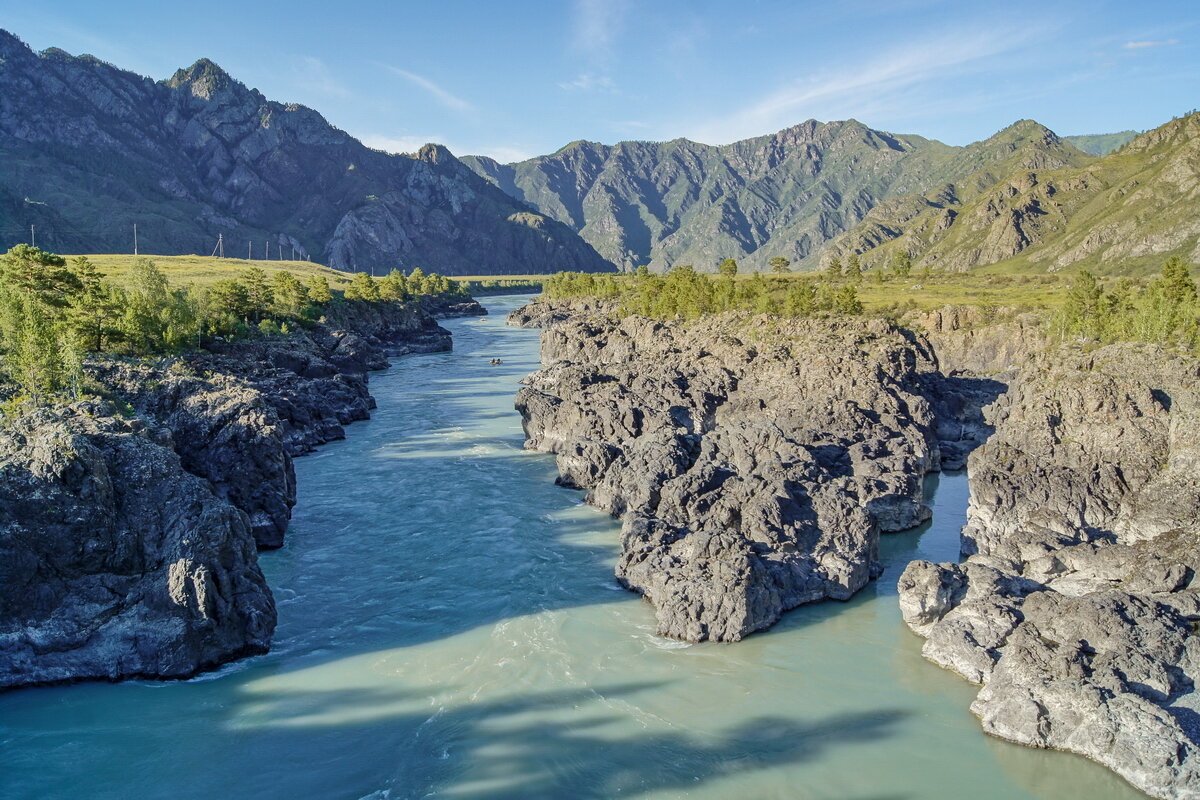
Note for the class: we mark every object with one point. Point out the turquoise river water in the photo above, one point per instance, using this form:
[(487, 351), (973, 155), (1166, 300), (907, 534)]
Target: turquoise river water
[(449, 626)]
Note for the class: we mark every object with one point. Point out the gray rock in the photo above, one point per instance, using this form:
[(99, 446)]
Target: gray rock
[(114, 561), (1077, 606), (753, 461)]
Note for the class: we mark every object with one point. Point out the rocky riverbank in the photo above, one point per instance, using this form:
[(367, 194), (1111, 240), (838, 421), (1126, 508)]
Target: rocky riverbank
[(1077, 606), (753, 460), (129, 525)]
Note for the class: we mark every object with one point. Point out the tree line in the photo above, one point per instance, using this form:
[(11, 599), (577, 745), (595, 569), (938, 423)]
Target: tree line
[(1164, 311), (684, 293), (53, 313)]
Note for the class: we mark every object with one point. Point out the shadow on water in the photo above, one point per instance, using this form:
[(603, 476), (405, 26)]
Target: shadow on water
[(567, 743)]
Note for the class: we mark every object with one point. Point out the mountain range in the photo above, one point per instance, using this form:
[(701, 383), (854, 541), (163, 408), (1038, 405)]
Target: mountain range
[(90, 150)]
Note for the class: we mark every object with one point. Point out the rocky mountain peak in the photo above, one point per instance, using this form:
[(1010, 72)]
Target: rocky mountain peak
[(205, 79), (433, 153)]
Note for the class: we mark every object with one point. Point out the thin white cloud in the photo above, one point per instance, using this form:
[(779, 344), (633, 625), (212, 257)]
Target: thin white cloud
[(589, 82), (314, 76), (407, 145), (397, 144), (596, 25), (850, 90), (446, 98), (1140, 45)]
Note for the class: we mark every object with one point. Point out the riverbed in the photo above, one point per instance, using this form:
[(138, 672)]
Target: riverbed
[(449, 626)]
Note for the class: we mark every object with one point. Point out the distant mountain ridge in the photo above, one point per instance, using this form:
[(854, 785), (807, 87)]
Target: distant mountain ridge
[(1124, 212), (785, 194), (89, 150)]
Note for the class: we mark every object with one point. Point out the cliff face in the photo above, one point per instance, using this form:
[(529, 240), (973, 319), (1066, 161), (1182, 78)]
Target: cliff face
[(1077, 607), (786, 194), (89, 150), (114, 561), (753, 461), (128, 547)]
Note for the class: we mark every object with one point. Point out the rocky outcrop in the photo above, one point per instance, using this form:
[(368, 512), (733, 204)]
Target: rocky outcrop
[(127, 547), (241, 411), (980, 341), (1077, 606), (753, 460), (115, 561), (88, 146)]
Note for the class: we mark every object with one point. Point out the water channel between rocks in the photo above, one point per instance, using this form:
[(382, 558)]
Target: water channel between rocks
[(450, 627)]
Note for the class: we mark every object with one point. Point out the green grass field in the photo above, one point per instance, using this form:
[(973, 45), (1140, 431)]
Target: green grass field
[(1005, 284), (201, 270)]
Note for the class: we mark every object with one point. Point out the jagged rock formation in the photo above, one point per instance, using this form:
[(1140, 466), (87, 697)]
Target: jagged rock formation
[(127, 547), (978, 341), (786, 194), (115, 562), (1130, 208), (89, 150), (1077, 607), (753, 460)]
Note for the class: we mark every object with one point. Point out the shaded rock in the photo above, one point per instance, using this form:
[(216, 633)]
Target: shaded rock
[(114, 561)]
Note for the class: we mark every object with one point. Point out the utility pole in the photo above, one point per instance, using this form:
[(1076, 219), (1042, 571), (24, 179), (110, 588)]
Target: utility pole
[(32, 237), (249, 251), (220, 248), (293, 252), (267, 245), (135, 252)]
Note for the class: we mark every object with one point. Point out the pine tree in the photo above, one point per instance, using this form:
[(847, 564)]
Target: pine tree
[(362, 287), (854, 270), (318, 290), (779, 264)]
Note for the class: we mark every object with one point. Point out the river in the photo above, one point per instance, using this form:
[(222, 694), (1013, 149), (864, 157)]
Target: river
[(449, 626)]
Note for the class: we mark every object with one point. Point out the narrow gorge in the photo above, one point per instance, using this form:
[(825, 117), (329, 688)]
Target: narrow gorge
[(130, 521)]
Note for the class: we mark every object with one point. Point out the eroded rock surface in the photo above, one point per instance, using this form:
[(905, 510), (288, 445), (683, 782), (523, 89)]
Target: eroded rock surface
[(1078, 604), (753, 461), (115, 562), (129, 529)]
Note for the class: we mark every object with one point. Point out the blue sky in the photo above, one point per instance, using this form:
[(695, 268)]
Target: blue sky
[(518, 79)]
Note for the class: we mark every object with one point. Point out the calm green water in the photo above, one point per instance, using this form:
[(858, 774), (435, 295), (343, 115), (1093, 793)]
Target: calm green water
[(449, 627)]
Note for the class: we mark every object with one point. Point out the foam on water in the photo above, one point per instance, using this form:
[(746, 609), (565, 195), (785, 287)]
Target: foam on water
[(450, 627)]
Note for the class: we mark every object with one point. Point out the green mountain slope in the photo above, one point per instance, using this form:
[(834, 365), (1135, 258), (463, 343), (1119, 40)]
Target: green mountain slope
[(1124, 212), (785, 194), (88, 150), (1101, 144)]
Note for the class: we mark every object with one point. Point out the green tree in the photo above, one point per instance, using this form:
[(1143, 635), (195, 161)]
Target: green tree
[(318, 290), (1176, 281), (854, 270), (362, 287), (394, 286), (845, 301), (95, 308), (416, 281), (901, 264), (835, 268), (259, 297), (779, 264), (44, 276), (728, 267)]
